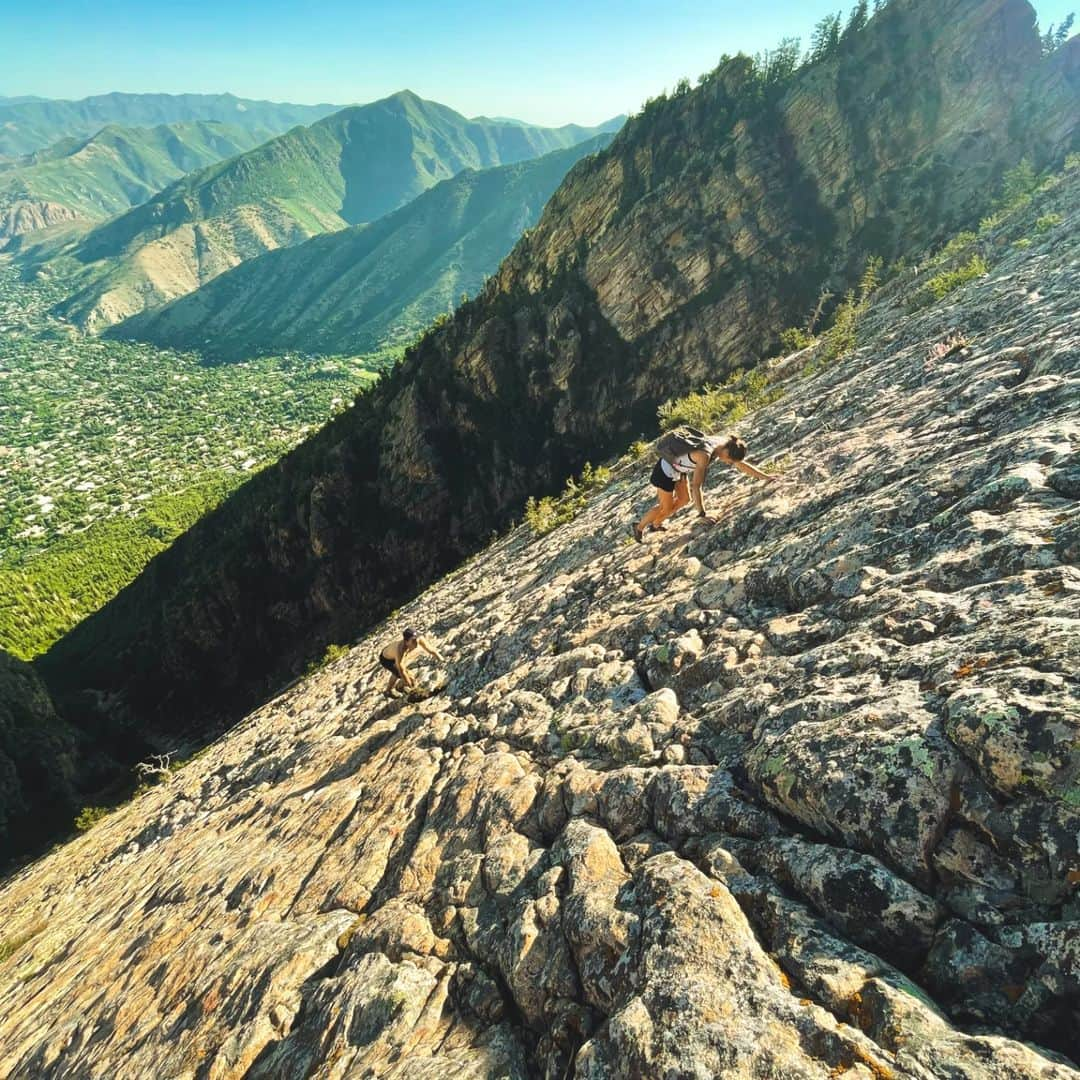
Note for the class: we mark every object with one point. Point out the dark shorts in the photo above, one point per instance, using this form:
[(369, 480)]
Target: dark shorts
[(661, 480), (388, 664)]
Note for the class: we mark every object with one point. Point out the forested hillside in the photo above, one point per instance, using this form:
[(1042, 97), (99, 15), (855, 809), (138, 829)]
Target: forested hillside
[(28, 124)]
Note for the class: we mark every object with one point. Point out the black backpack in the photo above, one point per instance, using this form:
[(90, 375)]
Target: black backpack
[(682, 440)]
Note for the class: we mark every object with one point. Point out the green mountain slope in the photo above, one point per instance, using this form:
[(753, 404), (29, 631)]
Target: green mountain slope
[(352, 167), (111, 171), (29, 124), (369, 286)]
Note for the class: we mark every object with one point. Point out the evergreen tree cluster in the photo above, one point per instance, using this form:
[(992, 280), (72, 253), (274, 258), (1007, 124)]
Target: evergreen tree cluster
[(765, 74), (1056, 36)]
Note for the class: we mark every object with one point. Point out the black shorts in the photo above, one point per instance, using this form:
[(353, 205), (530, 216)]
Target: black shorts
[(388, 664), (661, 480)]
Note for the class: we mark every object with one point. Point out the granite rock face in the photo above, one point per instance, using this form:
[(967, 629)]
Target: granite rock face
[(794, 795)]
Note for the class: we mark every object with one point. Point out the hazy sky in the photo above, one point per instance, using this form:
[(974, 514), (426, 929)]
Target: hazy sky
[(550, 62)]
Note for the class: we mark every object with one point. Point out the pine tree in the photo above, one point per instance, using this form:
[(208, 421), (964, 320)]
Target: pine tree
[(1018, 183), (777, 65), (857, 20), (1056, 36), (826, 37)]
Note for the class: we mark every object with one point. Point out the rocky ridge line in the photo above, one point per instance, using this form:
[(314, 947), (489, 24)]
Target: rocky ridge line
[(795, 795)]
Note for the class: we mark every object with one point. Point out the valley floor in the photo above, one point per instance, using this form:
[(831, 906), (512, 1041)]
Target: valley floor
[(109, 450), (797, 795)]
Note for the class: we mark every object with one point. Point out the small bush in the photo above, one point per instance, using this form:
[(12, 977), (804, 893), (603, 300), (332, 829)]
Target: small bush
[(1018, 185), (714, 406), (955, 246), (544, 515), (795, 339), (949, 280), (637, 449), (842, 337), (991, 221), (779, 466), (1047, 222), (333, 652), (1023, 243), (89, 816), (1072, 161)]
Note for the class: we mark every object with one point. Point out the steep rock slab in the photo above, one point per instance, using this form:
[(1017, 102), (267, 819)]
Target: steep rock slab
[(573, 861)]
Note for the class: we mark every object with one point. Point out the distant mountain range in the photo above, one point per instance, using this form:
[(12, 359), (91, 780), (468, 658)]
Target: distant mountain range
[(111, 171), (368, 286), (352, 167), (28, 123)]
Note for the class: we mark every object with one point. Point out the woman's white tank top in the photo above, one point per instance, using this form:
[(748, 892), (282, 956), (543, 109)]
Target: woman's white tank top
[(683, 466)]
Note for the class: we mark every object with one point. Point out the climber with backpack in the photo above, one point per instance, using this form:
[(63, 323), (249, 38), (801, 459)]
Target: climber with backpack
[(685, 457)]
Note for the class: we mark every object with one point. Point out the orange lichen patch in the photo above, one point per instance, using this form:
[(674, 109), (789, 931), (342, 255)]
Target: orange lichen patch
[(211, 999), (842, 1068), (715, 892), (879, 1071), (1073, 877), (965, 670), (1013, 992), (785, 982), (855, 1012)]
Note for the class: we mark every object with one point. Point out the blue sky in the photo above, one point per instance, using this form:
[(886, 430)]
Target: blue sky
[(551, 62)]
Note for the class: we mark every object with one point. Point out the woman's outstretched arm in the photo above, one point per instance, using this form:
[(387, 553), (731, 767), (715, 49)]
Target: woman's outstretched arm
[(757, 474)]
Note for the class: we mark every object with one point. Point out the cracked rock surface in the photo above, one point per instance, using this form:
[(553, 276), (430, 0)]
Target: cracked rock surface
[(795, 795)]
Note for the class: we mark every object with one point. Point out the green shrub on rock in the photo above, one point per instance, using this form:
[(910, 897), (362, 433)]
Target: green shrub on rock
[(548, 513), (333, 652), (89, 816), (940, 285), (713, 406), (795, 339)]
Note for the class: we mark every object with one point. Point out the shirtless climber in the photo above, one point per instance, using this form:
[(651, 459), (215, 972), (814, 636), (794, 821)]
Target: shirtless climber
[(395, 658)]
